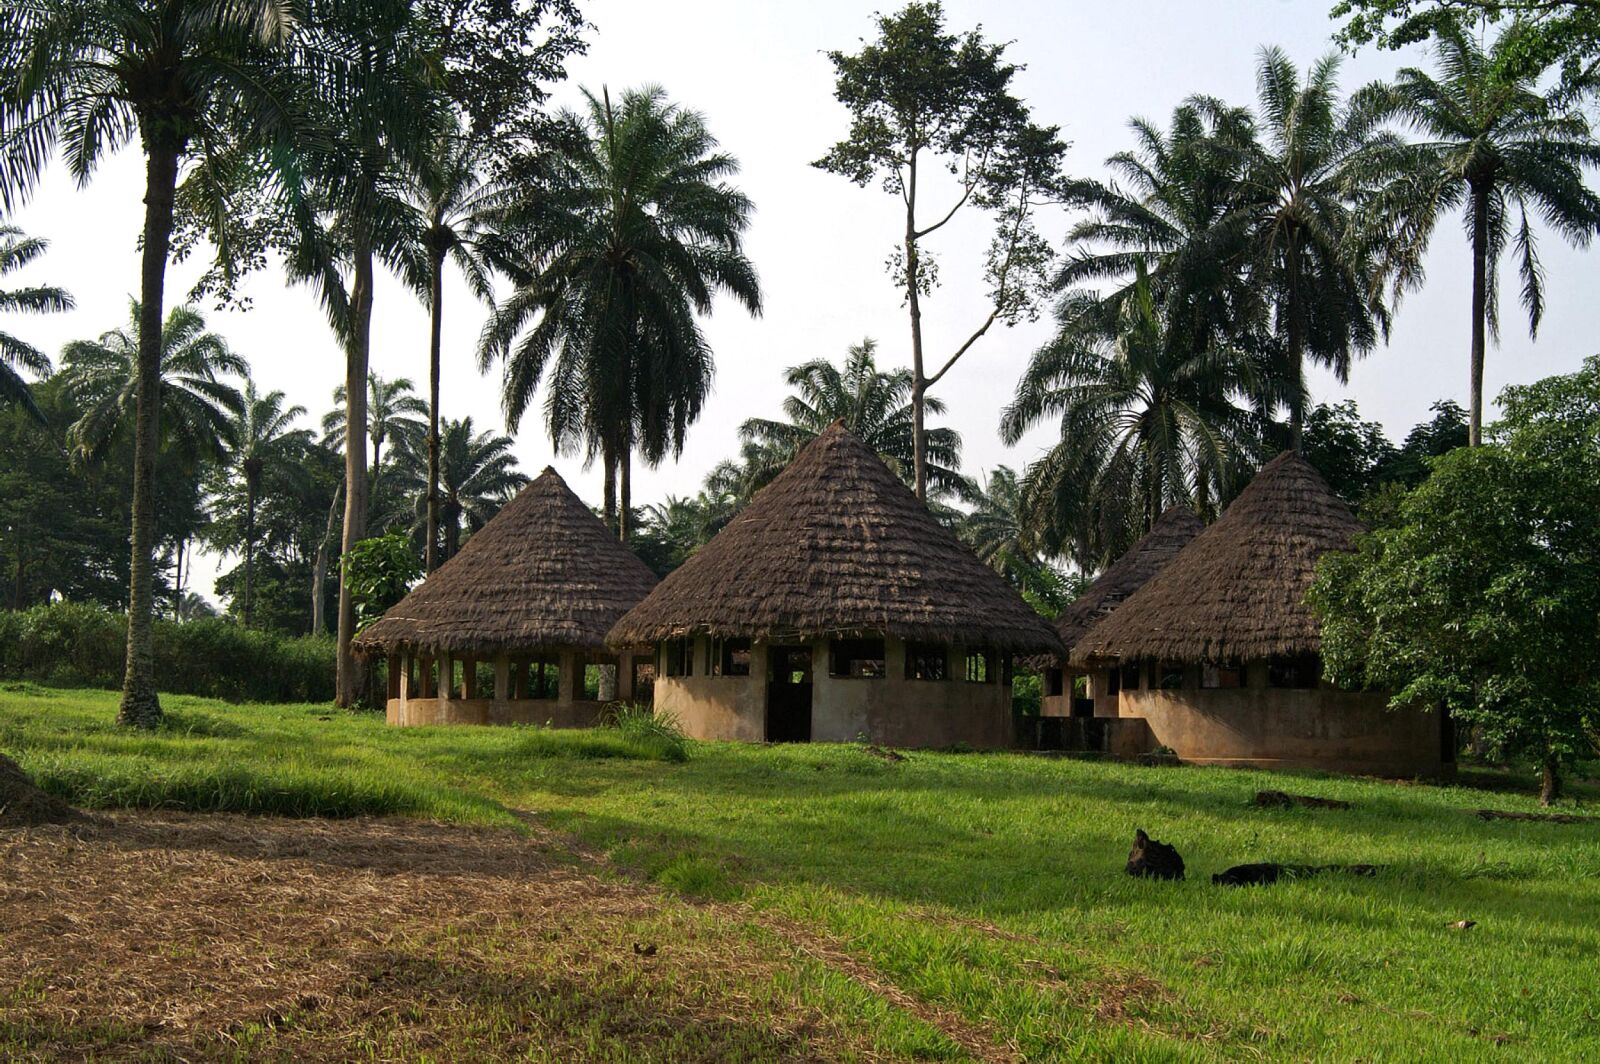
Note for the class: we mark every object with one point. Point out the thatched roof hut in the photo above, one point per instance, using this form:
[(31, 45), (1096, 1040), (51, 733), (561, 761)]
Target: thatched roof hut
[(836, 545), (1170, 534), (545, 573), (1237, 591)]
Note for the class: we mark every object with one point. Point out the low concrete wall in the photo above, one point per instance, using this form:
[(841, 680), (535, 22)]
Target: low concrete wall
[(567, 710), (890, 710), (1267, 727), (545, 711)]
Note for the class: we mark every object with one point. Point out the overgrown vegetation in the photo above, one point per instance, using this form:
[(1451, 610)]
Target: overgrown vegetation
[(987, 889), (70, 644)]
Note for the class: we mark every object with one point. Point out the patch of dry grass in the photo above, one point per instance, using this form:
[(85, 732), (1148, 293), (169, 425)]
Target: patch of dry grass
[(176, 936)]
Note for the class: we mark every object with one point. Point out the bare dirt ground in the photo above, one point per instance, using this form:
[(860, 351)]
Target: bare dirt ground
[(175, 936)]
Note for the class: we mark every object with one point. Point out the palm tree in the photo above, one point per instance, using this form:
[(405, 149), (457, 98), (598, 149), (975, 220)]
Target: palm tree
[(103, 379), (637, 230), (458, 211), (376, 117), (478, 475), (874, 404), (182, 75), (1144, 424), (392, 413), (1497, 147), (263, 442), (17, 251), (998, 531), (1310, 260), (1171, 206)]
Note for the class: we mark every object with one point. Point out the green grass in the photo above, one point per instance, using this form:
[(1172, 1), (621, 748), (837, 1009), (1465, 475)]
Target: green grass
[(987, 885)]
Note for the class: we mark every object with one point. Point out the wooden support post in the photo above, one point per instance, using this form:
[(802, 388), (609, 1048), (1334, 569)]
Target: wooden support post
[(447, 678), (502, 678)]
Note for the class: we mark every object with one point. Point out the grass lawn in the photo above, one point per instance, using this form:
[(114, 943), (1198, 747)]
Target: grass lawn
[(918, 902)]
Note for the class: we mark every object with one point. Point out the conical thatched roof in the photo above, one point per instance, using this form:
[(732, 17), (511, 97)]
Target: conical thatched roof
[(1237, 591), (544, 573), (837, 545), (1171, 533)]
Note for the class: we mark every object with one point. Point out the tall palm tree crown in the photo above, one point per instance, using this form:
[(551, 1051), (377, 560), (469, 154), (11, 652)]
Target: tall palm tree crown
[(1144, 424), (16, 251), (638, 231), (477, 474), (1498, 148), (1317, 268), (264, 444), (1170, 206), (198, 404), (874, 404), (393, 413)]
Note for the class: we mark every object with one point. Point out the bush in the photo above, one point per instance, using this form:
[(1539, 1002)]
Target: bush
[(71, 644), (659, 733)]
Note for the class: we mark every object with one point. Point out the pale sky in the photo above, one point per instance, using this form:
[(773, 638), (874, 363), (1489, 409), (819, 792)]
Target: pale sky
[(758, 72)]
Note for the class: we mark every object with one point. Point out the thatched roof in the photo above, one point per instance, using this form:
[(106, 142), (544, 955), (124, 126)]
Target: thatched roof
[(837, 545), (1171, 533), (544, 573), (1237, 591)]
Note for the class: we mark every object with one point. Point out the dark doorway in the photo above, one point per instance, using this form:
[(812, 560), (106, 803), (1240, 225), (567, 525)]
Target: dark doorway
[(789, 695)]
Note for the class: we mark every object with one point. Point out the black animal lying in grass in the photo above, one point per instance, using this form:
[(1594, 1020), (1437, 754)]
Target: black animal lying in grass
[(1154, 859), (1254, 875)]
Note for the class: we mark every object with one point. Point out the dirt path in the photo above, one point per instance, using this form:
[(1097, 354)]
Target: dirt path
[(183, 936)]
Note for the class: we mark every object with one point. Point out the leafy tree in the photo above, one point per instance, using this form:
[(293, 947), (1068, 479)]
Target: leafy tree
[(1483, 598), (1498, 148), (379, 571), (1144, 424), (1352, 455), (1317, 268), (873, 404), (1443, 432), (922, 100), (184, 75), (61, 531), (1543, 33), (197, 404), (638, 229), (17, 251), (265, 445)]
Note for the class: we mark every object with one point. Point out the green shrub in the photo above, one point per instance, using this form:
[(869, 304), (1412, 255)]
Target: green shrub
[(657, 732), (70, 644)]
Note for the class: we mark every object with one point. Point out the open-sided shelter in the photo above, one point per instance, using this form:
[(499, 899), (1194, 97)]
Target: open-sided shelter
[(513, 628), (1171, 533), (835, 607), (1219, 651)]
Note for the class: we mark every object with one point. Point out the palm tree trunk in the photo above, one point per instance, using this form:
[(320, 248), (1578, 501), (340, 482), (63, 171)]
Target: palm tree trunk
[(625, 483), (177, 584), (249, 549), (1480, 306), (436, 326), (608, 459), (919, 381), (347, 683), (141, 706), (319, 571)]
